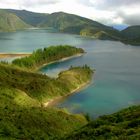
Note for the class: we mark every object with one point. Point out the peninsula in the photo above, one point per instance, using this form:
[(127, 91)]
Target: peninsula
[(48, 55)]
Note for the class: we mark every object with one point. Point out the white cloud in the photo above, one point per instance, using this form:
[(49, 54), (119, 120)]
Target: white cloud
[(105, 11)]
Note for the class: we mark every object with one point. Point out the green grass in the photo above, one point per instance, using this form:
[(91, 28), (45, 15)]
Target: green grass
[(123, 125), (21, 117)]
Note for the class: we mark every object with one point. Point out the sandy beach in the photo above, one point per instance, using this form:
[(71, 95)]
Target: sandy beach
[(9, 55)]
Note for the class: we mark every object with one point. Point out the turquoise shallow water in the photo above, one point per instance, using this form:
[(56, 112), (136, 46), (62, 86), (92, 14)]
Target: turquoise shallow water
[(116, 82)]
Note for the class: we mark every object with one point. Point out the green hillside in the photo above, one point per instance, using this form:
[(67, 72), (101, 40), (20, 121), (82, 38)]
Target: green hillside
[(10, 22), (61, 21), (131, 35), (22, 98), (131, 31), (21, 117), (30, 18), (42, 87), (103, 34), (123, 125), (68, 22)]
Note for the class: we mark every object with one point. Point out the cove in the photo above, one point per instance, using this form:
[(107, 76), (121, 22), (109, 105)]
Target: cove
[(116, 82)]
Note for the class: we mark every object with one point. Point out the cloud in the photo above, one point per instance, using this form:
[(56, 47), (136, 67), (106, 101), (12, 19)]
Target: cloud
[(33, 3), (105, 11), (109, 4), (130, 19), (26, 3)]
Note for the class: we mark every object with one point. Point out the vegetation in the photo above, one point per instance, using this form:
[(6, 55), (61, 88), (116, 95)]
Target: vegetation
[(131, 35), (10, 22), (123, 125), (23, 93), (47, 55), (42, 87), (62, 21), (22, 98), (21, 117), (100, 33), (30, 18)]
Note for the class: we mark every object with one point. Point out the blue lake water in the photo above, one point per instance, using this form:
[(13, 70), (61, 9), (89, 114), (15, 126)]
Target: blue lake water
[(116, 82)]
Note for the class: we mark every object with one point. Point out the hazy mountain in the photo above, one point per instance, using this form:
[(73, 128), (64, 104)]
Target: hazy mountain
[(131, 32), (120, 27), (10, 22), (131, 35)]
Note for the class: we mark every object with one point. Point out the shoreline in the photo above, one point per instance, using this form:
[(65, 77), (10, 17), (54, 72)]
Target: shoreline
[(55, 100), (60, 60), (51, 102), (12, 55)]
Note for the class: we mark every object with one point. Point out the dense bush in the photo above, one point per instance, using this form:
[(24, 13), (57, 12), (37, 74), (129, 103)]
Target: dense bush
[(123, 125)]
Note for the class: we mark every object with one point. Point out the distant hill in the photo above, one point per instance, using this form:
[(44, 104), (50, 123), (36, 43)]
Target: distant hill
[(131, 35), (10, 22), (68, 23), (31, 18), (101, 33), (131, 32), (60, 21)]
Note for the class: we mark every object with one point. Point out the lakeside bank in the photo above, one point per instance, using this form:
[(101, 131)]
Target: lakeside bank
[(53, 102)]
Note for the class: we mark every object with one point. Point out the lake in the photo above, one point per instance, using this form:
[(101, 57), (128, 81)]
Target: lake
[(116, 82)]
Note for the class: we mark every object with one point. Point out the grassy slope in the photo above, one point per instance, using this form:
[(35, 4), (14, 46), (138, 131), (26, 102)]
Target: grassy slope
[(10, 22), (22, 115), (123, 125), (41, 87)]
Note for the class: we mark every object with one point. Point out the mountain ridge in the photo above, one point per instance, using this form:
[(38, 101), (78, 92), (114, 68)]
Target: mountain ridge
[(11, 22), (70, 23)]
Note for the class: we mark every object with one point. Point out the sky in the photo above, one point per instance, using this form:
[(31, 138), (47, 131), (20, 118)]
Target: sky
[(109, 12)]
